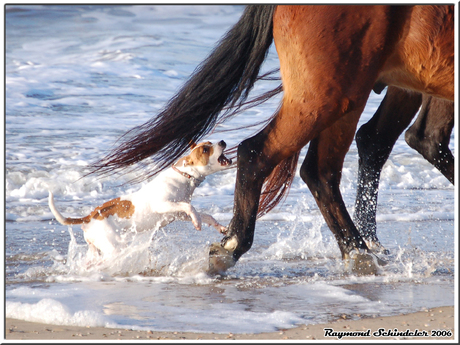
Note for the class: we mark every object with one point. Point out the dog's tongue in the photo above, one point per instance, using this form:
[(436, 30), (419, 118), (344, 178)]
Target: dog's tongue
[(224, 160)]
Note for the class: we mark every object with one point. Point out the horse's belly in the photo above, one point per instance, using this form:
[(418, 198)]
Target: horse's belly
[(423, 60)]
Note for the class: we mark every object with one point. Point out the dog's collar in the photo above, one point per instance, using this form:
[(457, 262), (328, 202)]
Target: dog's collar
[(190, 177)]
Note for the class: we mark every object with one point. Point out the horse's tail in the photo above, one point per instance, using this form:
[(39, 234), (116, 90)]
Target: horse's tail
[(277, 184), (222, 81)]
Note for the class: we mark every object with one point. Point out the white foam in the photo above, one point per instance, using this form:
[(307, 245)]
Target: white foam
[(53, 312)]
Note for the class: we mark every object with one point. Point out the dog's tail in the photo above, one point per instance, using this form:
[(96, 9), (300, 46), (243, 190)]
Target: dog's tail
[(222, 82), (59, 217)]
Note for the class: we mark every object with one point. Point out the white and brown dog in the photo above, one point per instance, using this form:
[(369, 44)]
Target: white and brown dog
[(163, 200)]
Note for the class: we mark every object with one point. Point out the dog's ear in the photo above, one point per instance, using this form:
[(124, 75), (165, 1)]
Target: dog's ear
[(192, 145)]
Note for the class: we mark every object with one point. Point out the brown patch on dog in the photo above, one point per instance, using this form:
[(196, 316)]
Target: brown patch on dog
[(121, 208), (199, 156)]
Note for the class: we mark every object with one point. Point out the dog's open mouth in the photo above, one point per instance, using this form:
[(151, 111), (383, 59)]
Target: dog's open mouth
[(224, 161)]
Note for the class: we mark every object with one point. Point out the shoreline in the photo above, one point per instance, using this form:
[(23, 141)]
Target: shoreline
[(420, 325)]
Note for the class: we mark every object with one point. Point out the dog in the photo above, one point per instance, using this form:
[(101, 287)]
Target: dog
[(160, 202)]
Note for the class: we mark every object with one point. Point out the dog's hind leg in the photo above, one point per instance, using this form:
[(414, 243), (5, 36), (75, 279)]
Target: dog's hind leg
[(92, 255), (102, 235)]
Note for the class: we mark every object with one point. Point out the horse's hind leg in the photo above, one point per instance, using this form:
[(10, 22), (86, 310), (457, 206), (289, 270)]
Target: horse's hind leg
[(322, 171), (375, 140), (430, 134), (254, 166)]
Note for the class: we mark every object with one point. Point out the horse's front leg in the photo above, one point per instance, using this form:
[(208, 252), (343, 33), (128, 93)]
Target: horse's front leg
[(375, 140), (430, 134)]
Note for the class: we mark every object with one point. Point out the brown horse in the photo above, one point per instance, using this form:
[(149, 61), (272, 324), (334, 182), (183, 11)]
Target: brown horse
[(429, 135), (331, 57)]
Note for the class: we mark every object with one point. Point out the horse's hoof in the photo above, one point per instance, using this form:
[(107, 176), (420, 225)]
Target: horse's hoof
[(220, 259), (363, 263), (385, 251), (377, 248)]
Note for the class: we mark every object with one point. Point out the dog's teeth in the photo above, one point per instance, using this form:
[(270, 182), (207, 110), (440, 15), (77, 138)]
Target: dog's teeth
[(224, 160)]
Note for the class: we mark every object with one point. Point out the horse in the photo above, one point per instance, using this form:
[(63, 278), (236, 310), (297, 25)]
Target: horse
[(429, 135), (331, 57)]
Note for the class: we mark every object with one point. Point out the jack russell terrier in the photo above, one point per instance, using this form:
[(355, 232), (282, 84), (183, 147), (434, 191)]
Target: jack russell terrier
[(163, 200)]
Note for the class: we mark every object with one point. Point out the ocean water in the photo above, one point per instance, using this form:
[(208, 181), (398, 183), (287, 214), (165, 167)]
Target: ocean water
[(78, 77)]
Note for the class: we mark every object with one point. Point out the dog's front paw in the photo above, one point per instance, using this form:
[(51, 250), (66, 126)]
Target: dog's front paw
[(196, 220), (197, 224), (222, 229)]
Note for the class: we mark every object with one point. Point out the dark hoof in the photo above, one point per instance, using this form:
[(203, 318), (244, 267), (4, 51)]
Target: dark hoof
[(363, 263), (377, 248), (220, 259)]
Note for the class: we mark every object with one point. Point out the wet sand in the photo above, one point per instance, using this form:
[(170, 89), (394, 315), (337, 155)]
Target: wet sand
[(415, 326)]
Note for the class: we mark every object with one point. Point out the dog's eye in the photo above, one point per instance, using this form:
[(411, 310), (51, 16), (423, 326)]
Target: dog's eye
[(205, 150)]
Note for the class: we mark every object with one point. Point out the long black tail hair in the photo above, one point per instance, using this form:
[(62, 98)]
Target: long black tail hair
[(214, 92)]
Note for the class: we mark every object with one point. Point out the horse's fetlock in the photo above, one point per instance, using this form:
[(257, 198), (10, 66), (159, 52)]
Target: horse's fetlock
[(231, 244)]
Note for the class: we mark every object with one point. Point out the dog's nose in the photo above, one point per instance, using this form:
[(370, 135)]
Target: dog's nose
[(223, 144)]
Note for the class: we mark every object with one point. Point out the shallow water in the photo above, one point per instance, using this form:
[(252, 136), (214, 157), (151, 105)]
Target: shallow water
[(74, 85)]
